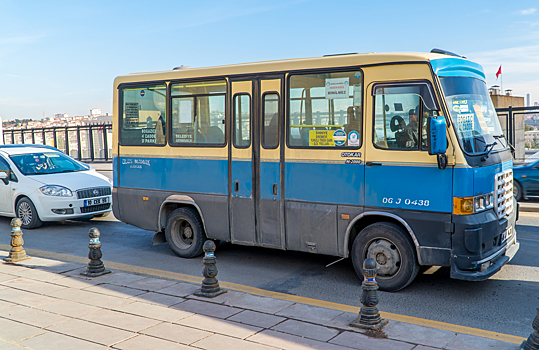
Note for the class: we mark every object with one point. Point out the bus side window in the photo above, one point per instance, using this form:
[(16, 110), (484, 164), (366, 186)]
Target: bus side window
[(325, 110), (142, 109), (242, 120), (270, 124), (198, 113), (400, 116)]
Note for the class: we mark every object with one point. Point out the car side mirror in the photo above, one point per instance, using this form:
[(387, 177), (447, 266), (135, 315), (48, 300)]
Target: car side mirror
[(3, 177), (437, 139)]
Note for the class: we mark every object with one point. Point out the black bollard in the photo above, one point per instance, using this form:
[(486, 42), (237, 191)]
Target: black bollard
[(95, 266), (369, 316), (17, 253), (210, 286), (533, 340)]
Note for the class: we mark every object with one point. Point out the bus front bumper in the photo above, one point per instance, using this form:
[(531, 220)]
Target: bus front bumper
[(488, 266)]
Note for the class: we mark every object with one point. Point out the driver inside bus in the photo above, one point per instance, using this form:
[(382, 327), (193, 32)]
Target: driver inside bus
[(410, 130)]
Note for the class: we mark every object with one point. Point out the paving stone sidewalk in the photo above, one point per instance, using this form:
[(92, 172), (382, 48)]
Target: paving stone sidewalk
[(47, 304)]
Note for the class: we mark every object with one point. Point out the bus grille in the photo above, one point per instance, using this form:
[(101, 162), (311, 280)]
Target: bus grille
[(94, 192), (94, 208), (504, 193)]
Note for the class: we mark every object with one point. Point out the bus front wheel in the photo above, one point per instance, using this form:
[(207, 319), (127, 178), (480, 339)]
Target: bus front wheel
[(393, 251), (185, 233)]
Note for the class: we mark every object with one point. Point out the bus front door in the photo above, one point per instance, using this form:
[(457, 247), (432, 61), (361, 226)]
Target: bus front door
[(255, 163), (242, 204)]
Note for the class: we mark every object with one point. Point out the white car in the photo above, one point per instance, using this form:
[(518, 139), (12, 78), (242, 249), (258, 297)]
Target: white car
[(40, 183)]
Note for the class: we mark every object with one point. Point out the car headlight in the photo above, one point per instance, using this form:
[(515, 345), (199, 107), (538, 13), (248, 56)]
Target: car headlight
[(53, 190)]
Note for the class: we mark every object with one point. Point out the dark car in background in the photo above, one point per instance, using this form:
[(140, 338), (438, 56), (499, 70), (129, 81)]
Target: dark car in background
[(526, 178)]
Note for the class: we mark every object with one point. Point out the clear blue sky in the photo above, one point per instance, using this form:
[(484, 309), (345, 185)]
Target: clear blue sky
[(62, 56)]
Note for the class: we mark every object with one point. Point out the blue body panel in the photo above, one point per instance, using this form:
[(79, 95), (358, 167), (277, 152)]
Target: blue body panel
[(183, 175), (115, 171), (471, 182), (325, 183), (269, 175), (242, 172), (457, 67), (411, 187)]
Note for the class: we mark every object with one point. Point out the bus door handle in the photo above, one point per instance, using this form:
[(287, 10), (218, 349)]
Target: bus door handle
[(372, 163), (274, 189), (236, 186)]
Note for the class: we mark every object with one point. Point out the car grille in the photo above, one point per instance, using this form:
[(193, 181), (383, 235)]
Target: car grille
[(504, 193), (94, 208), (94, 192)]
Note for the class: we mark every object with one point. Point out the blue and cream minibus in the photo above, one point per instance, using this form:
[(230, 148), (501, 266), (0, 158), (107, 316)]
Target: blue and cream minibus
[(395, 156)]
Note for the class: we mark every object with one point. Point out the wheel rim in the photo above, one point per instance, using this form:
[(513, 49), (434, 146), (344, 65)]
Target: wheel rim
[(515, 191), (387, 256), (183, 234), (24, 212)]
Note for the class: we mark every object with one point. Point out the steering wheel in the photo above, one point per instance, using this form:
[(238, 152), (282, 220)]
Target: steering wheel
[(397, 123)]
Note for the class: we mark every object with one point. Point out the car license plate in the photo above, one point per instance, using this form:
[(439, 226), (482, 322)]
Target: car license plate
[(95, 201), (507, 233)]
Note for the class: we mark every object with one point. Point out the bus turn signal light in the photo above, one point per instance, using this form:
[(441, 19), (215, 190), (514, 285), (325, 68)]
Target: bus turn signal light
[(463, 206)]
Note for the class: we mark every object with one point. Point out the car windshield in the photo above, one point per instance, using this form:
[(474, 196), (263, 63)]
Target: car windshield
[(473, 114), (46, 163)]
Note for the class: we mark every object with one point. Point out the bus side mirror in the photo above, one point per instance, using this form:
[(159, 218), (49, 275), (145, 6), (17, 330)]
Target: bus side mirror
[(437, 139)]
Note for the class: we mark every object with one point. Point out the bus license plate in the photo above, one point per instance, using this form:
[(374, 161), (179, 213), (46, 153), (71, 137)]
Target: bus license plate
[(507, 233), (95, 201)]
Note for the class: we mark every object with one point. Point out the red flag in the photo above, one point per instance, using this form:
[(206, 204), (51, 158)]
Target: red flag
[(499, 72)]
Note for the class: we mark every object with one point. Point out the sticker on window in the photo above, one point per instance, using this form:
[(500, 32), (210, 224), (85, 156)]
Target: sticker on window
[(337, 88), (481, 119), (465, 124), (339, 137), (321, 138), (353, 138)]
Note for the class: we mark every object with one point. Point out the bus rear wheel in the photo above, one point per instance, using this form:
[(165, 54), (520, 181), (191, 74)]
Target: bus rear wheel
[(185, 233), (393, 252)]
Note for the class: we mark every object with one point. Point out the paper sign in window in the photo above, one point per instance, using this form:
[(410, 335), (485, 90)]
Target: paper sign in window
[(337, 88)]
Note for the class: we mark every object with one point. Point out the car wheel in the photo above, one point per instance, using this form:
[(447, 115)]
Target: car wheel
[(26, 211), (517, 191), (185, 233), (393, 251)]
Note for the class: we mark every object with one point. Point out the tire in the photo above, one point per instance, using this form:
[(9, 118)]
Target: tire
[(185, 233), (26, 211), (389, 245), (517, 191)]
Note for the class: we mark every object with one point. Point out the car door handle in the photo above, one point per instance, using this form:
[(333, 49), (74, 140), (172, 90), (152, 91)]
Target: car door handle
[(372, 163)]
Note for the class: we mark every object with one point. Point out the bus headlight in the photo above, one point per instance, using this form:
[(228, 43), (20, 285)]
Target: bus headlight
[(472, 205), (483, 202)]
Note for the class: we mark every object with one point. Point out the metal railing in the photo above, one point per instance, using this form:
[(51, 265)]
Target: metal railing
[(515, 128), (86, 143)]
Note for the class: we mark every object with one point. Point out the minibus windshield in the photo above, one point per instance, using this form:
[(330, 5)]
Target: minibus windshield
[(473, 114)]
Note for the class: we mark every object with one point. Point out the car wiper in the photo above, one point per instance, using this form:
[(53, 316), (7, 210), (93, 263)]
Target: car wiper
[(485, 155)]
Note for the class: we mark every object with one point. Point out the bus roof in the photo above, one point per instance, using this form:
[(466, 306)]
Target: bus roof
[(345, 60)]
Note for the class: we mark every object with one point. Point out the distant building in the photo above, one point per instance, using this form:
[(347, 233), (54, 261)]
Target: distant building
[(1, 132), (95, 112), (528, 103), (60, 116)]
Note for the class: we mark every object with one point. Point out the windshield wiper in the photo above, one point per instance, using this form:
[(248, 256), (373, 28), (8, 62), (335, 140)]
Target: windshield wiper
[(497, 137), (485, 155)]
